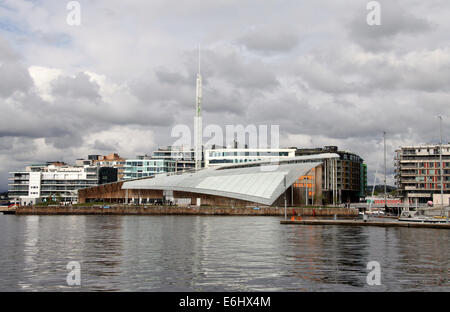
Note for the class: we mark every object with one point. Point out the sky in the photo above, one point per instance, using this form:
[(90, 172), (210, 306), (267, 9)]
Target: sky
[(124, 78)]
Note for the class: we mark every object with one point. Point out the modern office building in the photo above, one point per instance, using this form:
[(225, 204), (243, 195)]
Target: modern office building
[(418, 172), (229, 156), (184, 158), (145, 166), (348, 171), (54, 180)]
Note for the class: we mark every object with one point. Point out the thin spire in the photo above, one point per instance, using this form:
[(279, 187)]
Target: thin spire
[(199, 59)]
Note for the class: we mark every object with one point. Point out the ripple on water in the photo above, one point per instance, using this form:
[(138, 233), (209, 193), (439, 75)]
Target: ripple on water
[(193, 253)]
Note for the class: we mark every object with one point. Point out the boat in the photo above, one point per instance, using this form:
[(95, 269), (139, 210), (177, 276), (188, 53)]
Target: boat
[(415, 216)]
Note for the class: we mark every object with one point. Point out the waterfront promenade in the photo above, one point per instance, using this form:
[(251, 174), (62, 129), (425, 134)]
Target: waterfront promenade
[(177, 210)]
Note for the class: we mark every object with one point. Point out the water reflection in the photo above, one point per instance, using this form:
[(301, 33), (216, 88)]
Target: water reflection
[(193, 253)]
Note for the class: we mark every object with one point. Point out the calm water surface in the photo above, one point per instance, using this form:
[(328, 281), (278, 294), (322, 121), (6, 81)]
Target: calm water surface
[(199, 253)]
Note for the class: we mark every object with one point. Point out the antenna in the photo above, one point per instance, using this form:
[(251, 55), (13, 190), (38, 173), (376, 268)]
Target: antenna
[(198, 134), (199, 59)]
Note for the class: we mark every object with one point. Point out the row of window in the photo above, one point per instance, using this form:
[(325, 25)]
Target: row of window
[(420, 150), (137, 175), (351, 157), (150, 169), (433, 185), (135, 165), (433, 164), (430, 171), (272, 154), (232, 161), (429, 179)]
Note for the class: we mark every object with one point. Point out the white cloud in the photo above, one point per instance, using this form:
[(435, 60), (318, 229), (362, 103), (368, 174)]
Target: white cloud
[(42, 77)]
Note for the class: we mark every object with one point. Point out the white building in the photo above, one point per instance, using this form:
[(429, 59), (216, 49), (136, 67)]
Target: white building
[(224, 156), (54, 180), (145, 166), (184, 157)]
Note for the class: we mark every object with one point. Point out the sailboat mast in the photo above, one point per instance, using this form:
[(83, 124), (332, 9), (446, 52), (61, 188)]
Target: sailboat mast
[(385, 195)]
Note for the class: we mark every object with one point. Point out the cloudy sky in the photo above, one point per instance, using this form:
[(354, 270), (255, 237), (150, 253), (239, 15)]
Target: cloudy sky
[(122, 79)]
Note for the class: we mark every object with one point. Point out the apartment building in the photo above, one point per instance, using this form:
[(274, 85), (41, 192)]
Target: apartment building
[(183, 157), (145, 166), (52, 179), (418, 172), (344, 179), (112, 160)]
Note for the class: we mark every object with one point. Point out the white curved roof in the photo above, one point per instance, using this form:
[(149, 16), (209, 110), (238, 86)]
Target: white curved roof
[(259, 184)]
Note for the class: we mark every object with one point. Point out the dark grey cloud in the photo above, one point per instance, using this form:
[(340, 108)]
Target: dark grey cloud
[(13, 76), (61, 141), (270, 40), (234, 69), (396, 20), (7, 53), (219, 102), (109, 147), (352, 71), (79, 86), (172, 77)]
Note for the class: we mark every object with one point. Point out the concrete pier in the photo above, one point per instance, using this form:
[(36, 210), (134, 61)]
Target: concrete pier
[(369, 223)]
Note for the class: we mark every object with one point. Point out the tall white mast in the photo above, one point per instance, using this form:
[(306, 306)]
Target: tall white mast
[(198, 132), (441, 167), (385, 195)]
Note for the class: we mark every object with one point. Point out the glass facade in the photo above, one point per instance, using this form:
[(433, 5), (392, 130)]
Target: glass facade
[(234, 153), (239, 156), (141, 168)]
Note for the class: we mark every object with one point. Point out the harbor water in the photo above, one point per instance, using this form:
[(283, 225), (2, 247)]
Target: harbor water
[(215, 253)]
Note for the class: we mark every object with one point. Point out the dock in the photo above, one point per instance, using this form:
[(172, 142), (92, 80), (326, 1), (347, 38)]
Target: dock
[(7, 210), (369, 223)]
